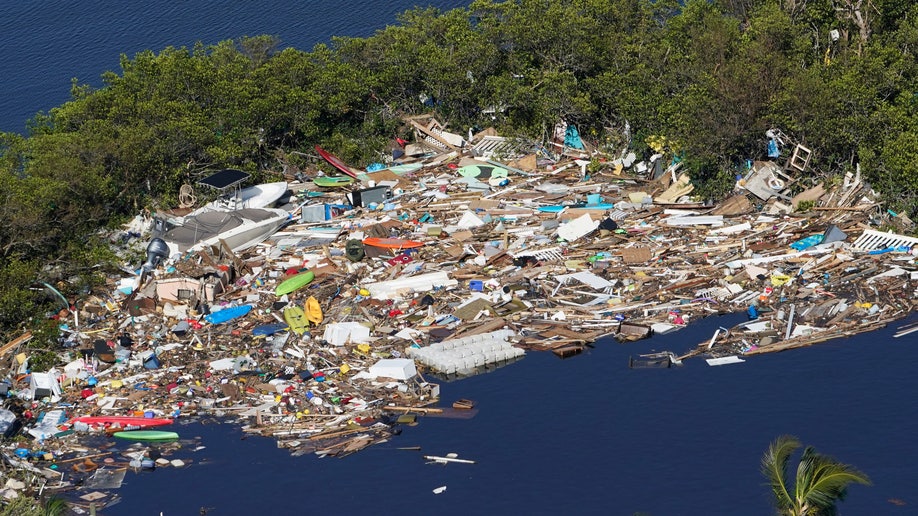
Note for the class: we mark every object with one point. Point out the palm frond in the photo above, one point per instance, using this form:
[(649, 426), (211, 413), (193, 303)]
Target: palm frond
[(806, 471), (830, 482), (774, 467)]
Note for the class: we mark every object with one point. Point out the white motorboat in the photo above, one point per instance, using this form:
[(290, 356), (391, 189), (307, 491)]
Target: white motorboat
[(258, 196), (232, 197), (240, 229)]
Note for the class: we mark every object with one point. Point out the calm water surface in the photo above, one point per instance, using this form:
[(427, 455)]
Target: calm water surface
[(587, 435)]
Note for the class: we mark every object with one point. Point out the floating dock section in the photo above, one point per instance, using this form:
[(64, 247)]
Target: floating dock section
[(464, 355)]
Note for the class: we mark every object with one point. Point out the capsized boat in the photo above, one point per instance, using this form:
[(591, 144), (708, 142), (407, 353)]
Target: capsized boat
[(240, 229)]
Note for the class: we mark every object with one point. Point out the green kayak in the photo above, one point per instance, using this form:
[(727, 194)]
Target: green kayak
[(147, 435), (332, 181), (290, 284)]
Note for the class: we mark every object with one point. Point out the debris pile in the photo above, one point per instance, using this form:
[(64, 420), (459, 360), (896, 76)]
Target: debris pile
[(321, 330)]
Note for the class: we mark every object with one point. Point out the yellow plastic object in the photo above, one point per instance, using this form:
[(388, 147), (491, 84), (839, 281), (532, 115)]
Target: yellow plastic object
[(116, 384), (364, 292), (344, 368), (295, 318), (363, 348), (313, 311), (779, 279)]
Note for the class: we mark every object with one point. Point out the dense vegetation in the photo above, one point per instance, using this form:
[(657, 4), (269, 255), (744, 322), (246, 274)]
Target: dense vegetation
[(704, 79)]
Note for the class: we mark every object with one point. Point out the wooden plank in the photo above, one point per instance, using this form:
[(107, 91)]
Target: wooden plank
[(433, 135), (240, 265), (22, 339), (492, 325)]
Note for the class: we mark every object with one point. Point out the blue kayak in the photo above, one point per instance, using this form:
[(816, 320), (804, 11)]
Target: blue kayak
[(227, 314)]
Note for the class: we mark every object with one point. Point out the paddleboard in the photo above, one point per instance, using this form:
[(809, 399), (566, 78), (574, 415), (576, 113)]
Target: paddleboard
[(296, 318), (558, 207), (290, 284), (227, 314), (404, 169), (147, 435), (335, 161), (269, 329), (126, 421), (392, 243), (332, 181), (313, 311)]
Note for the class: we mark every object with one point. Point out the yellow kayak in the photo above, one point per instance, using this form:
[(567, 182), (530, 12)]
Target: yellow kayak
[(296, 319), (313, 311)]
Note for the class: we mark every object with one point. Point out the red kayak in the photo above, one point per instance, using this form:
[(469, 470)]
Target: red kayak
[(335, 161), (122, 421)]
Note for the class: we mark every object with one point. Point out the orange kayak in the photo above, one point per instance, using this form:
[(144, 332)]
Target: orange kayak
[(392, 243)]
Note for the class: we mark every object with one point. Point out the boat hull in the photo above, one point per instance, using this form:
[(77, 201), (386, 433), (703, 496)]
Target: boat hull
[(240, 229)]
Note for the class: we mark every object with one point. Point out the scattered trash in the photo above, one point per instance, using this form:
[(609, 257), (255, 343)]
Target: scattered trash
[(321, 322)]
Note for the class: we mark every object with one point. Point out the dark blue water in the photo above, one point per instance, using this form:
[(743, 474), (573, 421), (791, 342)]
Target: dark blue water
[(587, 435), (46, 43)]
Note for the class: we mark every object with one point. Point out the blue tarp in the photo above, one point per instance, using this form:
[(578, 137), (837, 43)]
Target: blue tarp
[(572, 138), (773, 151)]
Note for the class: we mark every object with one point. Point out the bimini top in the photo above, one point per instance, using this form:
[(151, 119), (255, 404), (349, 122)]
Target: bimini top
[(224, 179)]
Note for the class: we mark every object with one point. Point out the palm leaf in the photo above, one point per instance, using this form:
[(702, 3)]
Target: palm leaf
[(807, 469), (830, 482), (774, 467)]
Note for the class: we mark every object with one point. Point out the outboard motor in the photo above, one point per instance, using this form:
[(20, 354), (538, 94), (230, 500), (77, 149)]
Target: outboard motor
[(157, 251), (159, 227)]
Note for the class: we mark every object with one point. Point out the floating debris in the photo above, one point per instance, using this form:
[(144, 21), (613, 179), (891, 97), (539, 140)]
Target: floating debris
[(321, 326)]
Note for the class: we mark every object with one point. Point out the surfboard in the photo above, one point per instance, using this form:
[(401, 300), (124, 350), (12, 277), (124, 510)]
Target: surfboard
[(227, 314), (125, 421), (392, 243), (332, 181), (296, 318), (147, 435), (291, 284), (313, 311), (335, 161)]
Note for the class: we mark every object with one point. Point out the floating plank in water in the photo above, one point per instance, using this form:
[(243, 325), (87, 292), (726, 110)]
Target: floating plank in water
[(568, 351), (450, 457), (905, 330), (733, 359)]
